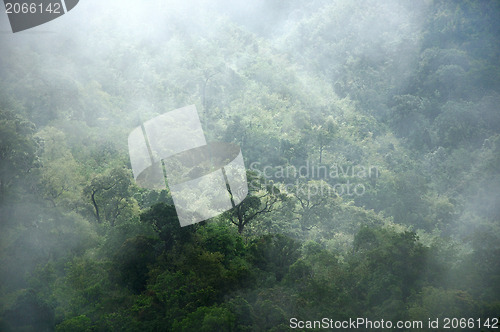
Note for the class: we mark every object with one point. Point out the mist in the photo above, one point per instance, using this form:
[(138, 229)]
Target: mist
[(410, 89)]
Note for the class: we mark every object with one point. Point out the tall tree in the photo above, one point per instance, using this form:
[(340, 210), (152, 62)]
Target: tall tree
[(18, 152), (110, 196), (263, 197)]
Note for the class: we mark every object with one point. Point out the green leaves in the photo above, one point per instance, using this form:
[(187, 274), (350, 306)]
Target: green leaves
[(163, 219), (111, 196), (19, 152), (408, 88)]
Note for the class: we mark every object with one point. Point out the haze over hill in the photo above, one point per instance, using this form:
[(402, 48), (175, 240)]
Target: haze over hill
[(370, 133)]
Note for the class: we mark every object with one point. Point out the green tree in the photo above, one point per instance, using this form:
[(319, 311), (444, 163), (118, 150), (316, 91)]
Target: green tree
[(111, 196), (390, 267), (275, 253), (132, 262), (163, 218), (207, 319), (59, 179), (263, 198), (18, 153)]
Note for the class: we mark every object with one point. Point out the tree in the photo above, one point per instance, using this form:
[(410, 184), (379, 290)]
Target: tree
[(28, 313), (76, 324), (325, 134), (275, 253), (132, 262), (163, 218), (387, 265), (206, 319), (311, 200), (59, 179), (263, 198), (442, 303), (111, 196), (18, 151)]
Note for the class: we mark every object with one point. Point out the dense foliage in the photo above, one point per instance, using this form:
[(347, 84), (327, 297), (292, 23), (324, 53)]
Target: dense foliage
[(396, 100)]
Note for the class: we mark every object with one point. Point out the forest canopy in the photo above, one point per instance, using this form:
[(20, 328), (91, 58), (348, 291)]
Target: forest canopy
[(370, 132)]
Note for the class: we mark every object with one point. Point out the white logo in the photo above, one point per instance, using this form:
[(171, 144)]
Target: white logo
[(204, 179)]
